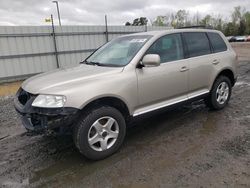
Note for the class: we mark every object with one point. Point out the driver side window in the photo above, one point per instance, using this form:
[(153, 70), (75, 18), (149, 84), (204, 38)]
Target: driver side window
[(168, 47)]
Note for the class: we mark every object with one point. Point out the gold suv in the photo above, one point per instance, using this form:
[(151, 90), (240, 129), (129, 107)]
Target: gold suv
[(127, 77)]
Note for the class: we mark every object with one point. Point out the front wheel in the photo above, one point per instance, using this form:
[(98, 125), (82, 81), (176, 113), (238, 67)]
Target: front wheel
[(220, 93), (100, 132)]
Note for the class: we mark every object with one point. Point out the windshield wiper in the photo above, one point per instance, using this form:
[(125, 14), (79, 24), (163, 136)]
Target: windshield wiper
[(110, 65), (91, 63), (100, 64)]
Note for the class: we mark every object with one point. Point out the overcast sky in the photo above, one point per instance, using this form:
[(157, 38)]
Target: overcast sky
[(91, 12)]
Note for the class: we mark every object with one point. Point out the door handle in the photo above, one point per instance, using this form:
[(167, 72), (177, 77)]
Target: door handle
[(183, 69), (215, 62)]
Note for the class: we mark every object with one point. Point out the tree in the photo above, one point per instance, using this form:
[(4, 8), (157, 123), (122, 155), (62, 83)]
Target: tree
[(127, 24), (237, 14), (173, 21), (196, 19), (206, 20), (237, 24), (242, 27), (218, 23), (138, 22), (247, 22), (159, 21), (229, 29), (181, 18)]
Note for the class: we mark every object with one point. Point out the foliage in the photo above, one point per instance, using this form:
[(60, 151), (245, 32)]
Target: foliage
[(247, 22), (238, 24), (160, 21), (138, 22), (181, 18)]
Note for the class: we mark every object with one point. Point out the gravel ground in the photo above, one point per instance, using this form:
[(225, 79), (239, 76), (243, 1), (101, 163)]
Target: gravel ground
[(190, 146)]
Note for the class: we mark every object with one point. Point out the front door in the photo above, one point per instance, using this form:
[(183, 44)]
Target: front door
[(166, 84)]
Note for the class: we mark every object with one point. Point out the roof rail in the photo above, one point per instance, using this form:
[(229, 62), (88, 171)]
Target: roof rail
[(197, 26)]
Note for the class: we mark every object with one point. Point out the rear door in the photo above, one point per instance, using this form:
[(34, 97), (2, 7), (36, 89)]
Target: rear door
[(223, 57), (201, 69)]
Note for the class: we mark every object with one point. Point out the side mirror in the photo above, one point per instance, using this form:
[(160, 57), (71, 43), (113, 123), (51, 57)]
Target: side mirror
[(151, 60)]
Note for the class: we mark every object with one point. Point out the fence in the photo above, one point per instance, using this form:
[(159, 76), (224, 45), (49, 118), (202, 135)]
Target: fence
[(28, 50)]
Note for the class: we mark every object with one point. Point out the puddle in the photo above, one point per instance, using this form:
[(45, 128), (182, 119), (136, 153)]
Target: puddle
[(209, 126), (72, 168), (9, 88)]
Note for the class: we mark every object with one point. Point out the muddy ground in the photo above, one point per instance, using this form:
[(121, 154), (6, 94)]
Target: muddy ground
[(188, 147)]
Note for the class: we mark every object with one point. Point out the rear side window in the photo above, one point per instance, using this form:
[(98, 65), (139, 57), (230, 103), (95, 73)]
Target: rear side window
[(217, 42), (197, 44)]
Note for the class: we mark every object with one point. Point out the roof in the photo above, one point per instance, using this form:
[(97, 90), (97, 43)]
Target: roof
[(164, 32)]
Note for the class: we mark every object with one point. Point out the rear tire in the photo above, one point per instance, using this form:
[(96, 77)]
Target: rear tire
[(220, 93), (99, 132)]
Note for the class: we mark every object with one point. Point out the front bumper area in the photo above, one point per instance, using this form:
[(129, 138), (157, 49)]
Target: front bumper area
[(42, 119)]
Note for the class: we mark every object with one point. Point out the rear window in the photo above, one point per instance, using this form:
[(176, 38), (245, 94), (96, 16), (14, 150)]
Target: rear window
[(217, 42), (197, 44)]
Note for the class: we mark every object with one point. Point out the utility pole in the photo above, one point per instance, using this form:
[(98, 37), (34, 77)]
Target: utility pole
[(58, 12), (54, 40), (106, 28)]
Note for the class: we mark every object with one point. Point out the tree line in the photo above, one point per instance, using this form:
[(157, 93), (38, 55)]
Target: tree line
[(237, 24)]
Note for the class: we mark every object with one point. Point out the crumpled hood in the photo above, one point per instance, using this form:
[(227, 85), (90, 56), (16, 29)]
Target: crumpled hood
[(61, 78)]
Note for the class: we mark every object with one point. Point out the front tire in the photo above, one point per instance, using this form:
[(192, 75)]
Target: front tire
[(220, 93), (99, 132)]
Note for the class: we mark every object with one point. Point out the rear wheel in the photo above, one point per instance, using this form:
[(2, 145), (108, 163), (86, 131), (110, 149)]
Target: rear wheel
[(220, 93), (100, 132)]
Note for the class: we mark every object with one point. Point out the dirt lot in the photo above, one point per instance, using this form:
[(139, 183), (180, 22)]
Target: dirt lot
[(190, 146)]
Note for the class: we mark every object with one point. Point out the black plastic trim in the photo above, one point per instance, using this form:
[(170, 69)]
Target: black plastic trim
[(38, 119)]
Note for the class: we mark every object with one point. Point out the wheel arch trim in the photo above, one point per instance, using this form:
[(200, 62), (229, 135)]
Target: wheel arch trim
[(226, 69), (106, 98)]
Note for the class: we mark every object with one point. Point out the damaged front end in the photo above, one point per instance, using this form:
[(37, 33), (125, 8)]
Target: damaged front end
[(43, 119)]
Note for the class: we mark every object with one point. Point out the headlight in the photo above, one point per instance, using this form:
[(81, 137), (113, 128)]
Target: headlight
[(49, 101)]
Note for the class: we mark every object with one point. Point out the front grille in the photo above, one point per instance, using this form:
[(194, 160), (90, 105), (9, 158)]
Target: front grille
[(23, 96)]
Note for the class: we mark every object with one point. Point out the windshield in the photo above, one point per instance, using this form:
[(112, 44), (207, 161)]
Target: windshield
[(118, 52)]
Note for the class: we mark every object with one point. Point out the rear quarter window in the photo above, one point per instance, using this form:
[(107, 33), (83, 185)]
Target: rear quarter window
[(197, 43), (217, 42)]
